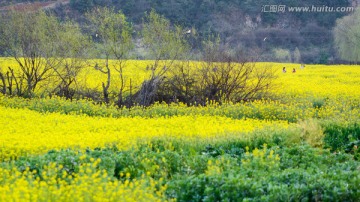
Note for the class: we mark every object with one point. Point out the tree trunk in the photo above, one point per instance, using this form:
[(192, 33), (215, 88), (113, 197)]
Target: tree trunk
[(106, 87), (2, 77)]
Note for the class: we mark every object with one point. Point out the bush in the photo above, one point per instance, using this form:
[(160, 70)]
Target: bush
[(339, 134), (302, 174)]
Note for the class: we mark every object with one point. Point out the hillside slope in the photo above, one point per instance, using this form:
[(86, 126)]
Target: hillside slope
[(241, 24)]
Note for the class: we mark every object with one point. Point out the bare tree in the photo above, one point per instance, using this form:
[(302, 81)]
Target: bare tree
[(112, 35), (30, 38), (3, 81), (72, 50), (232, 76), (165, 45), (9, 80), (222, 76), (182, 82), (106, 85)]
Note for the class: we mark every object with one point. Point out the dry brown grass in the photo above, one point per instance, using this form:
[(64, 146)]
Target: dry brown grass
[(312, 133)]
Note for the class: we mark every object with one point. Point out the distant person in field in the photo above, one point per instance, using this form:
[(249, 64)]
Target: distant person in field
[(294, 70), (302, 66), (284, 69)]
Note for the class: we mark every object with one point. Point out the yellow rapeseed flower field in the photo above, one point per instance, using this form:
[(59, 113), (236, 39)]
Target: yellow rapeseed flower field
[(300, 100), (25, 132), (318, 80), (313, 80), (89, 184)]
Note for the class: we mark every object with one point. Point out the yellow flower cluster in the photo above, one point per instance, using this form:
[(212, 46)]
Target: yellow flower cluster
[(27, 132), (216, 167), (264, 158), (313, 80), (89, 184), (261, 157)]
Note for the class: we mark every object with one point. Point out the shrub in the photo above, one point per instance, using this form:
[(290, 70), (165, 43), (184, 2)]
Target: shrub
[(340, 134)]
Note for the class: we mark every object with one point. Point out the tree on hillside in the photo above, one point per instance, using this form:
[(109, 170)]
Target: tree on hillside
[(113, 39), (347, 37), (41, 44), (165, 45), (82, 5), (30, 38), (72, 51), (297, 55)]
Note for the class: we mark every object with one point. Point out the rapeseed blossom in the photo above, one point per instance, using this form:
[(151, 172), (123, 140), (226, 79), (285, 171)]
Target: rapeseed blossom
[(25, 132)]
